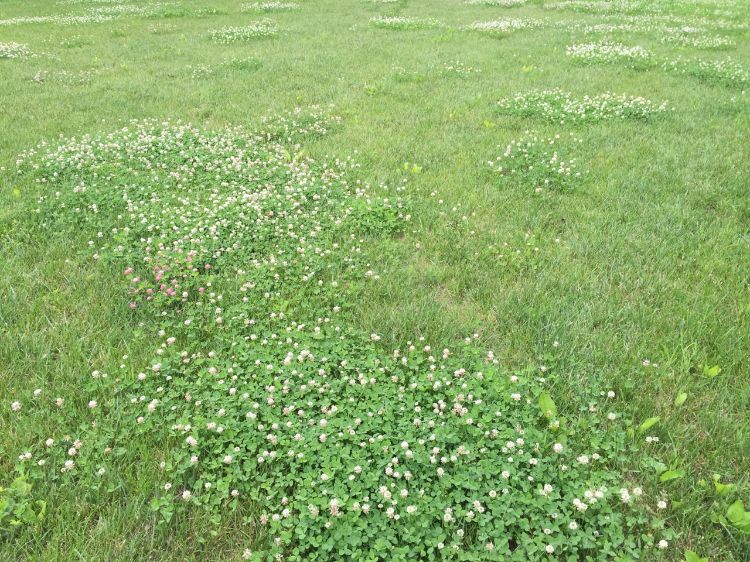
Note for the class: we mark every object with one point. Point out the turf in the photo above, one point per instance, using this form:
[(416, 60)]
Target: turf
[(647, 259)]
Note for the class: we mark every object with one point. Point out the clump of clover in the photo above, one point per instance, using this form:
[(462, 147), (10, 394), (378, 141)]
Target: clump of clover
[(604, 52), (269, 7), (500, 3), (696, 37), (505, 25), (14, 51), (293, 126), (539, 162), (559, 106), (599, 6), (725, 72), (243, 260), (404, 23), (239, 33)]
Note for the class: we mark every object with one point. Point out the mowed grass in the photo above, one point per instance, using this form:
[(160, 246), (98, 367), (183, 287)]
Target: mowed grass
[(648, 259)]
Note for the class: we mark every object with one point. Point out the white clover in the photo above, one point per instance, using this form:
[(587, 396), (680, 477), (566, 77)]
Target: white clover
[(506, 25), (255, 30), (604, 52), (403, 22)]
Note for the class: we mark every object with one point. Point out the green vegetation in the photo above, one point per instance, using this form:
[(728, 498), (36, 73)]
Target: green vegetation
[(374, 280)]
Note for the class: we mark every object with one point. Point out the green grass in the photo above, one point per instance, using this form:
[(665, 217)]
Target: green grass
[(648, 257)]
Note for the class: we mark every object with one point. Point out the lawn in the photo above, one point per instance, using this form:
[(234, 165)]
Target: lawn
[(375, 280)]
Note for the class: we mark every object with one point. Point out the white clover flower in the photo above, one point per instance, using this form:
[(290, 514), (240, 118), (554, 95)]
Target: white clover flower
[(579, 505), (625, 495), (16, 406), (334, 507)]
